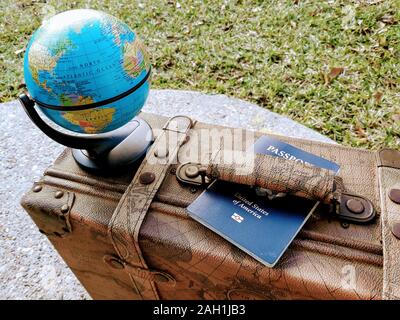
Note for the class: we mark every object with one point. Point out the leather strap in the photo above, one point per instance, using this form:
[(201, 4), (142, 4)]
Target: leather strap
[(389, 180), (131, 211)]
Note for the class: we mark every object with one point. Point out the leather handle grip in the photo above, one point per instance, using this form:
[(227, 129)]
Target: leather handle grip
[(277, 174)]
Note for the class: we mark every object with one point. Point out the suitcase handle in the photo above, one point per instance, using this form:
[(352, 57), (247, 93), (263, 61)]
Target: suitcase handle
[(276, 174), (281, 177)]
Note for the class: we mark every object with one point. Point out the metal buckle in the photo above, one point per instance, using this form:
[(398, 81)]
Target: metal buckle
[(174, 125)]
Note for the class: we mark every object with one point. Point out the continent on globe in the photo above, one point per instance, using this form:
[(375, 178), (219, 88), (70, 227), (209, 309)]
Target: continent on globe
[(91, 121), (42, 59), (135, 58), (84, 57)]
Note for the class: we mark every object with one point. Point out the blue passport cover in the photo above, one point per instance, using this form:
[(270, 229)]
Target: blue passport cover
[(262, 228), (275, 147)]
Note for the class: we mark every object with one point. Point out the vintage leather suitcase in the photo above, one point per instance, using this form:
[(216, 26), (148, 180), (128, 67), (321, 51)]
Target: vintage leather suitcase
[(128, 235)]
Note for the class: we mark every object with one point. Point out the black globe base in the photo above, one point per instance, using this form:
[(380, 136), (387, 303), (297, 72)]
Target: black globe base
[(104, 152), (124, 155)]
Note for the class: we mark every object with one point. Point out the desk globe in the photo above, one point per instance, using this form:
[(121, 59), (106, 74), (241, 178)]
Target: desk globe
[(89, 73)]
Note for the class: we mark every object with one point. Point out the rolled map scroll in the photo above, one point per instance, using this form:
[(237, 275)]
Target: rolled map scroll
[(278, 175)]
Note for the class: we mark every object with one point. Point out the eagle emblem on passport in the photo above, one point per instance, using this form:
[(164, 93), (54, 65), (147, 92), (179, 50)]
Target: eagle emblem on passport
[(237, 217)]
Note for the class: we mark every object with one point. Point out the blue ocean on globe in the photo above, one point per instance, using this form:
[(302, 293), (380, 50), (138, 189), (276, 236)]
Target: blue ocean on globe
[(84, 56)]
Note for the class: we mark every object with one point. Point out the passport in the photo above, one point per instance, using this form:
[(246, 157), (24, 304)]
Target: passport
[(260, 227), (274, 147)]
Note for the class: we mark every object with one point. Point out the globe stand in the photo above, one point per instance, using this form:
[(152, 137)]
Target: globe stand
[(111, 151)]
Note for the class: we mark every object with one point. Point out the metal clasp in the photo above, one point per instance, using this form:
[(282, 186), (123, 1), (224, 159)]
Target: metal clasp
[(192, 174), (353, 208)]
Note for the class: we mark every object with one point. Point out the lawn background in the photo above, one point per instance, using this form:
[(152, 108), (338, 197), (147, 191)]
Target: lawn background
[(331, 65)]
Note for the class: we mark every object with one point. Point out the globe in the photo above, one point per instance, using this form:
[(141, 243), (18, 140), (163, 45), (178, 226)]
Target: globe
[(87, 71)]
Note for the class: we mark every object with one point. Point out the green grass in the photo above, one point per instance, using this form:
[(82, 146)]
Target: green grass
[(278, 54)]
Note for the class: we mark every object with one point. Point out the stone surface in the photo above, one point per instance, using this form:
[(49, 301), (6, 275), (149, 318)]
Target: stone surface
[(222, 110), (29, 266)]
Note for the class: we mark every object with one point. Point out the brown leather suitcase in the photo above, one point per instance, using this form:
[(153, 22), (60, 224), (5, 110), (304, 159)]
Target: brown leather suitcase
[(128, 235)]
